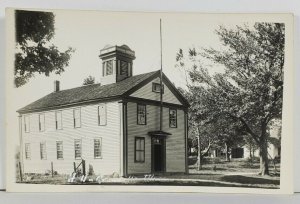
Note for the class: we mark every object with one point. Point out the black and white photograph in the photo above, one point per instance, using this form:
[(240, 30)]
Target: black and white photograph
[(130, 101)]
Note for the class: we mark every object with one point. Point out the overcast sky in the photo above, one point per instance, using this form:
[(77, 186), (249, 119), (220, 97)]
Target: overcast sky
[(89, 31)]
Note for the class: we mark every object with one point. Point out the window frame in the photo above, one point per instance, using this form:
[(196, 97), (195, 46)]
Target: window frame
[(172, 109), (41, 152), (140, 150), (40, 122), (25, 126), (80, 142), (137, 114), (154, 84), (106, 67), (74, 117), (62, 150), (100, 148), (56, 121), (27, 151), (99, 116)]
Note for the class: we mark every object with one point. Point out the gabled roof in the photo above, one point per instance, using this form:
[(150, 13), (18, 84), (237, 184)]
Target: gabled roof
[(94, 92)]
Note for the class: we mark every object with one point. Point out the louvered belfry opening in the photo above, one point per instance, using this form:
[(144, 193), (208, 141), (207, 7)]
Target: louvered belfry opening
[(117, 62)]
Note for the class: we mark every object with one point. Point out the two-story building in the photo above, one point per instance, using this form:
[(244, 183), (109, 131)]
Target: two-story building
[(114, 126)]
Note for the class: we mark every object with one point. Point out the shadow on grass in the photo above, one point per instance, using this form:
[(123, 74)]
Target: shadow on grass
[(249, 180)]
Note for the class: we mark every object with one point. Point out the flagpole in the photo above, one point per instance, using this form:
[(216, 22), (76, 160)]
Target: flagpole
[(161, 85)]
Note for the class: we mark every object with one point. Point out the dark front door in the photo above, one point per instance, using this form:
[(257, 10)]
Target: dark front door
[(158, 154)]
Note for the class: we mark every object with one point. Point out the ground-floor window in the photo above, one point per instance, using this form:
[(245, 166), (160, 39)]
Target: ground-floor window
[(97, 148), (27, 151), (139, 149), (77, 145), (43, 150), (59, 150)]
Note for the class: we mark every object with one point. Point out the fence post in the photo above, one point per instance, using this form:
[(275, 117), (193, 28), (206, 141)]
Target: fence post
[(20, 170), (83, 167), (52, 169), (74, 164)]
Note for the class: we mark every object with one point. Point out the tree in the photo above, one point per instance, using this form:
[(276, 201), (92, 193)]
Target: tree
[(34, 51), (250, 90), (89, 80)]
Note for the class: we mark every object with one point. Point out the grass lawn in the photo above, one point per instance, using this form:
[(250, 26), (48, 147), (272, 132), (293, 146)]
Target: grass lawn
[(237, 173)]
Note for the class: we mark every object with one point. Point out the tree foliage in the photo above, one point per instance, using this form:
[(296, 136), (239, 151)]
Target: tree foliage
[(35, 53), (89, 80), (249, 92)]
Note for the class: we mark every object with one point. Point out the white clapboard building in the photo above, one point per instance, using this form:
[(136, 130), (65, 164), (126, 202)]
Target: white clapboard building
[(113, 126)]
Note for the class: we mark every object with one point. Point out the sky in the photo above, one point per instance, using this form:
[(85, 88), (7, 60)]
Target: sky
[(89, 31)]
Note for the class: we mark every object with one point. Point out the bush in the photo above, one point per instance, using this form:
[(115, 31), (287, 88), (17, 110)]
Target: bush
[(192, 160), (91, 170)]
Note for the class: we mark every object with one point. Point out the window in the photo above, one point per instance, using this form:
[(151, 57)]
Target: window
[(58, 120), (41, 122), (43, 150), (141, 114), (59, 150), (26, 123), (97, 148), (173, 118), (109, 67), (139, 149), (156, 87), (124, 68), (102, 114), (77, 118), (27, 151), (77, 147)]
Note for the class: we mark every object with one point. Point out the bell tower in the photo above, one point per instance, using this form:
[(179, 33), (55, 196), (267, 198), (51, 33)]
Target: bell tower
[(116, 63)]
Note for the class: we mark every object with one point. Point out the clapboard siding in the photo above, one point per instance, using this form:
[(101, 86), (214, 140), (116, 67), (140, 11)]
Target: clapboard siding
[(175, 143), (147, 93), (89, 130)]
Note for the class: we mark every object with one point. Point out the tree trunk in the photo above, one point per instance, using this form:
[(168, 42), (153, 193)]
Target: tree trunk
[(227, 154), (199, 155), (263, 153)]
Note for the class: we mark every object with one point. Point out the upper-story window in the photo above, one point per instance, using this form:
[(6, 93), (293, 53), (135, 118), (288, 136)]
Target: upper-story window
[(156, 87), (102, 114), (41, 122), (26, 123), (141, 114), (58, 120), (77, 118), (173, 118)]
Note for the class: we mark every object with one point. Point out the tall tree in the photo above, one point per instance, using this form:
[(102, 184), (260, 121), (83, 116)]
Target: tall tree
[(34, 51), (89, 80), (250, 90)]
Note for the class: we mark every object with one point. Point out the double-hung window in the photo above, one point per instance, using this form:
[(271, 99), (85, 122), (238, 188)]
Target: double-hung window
[(141, 114), (59, 150), (97, 148), (41, 122), (139, 149), (26, 123), (77, 147), (27, 151), (102, 114), (77, 118), (43, 151), (58, 120), (173, 118)]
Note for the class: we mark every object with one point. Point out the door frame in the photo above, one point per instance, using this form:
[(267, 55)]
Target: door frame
[(164, 155)]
